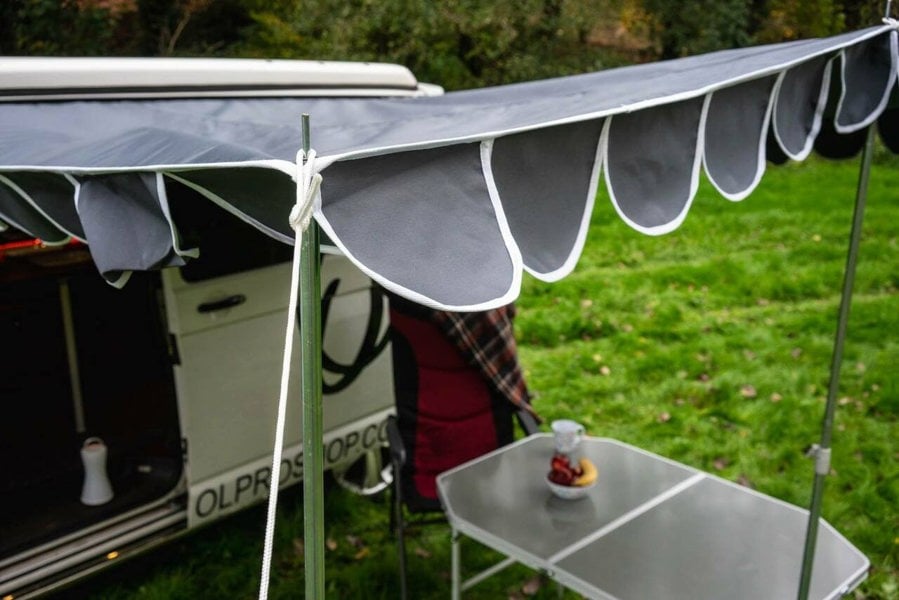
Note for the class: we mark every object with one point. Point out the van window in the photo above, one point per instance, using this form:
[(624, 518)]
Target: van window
[(227, 244)]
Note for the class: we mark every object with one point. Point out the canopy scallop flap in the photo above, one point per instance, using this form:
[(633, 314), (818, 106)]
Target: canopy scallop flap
[(446, 200)]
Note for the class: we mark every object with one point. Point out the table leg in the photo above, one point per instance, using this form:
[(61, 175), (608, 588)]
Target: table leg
[(457, 584)]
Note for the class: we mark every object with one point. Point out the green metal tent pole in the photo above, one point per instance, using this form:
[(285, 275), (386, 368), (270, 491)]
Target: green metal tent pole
[(821, 451), (313, 448)]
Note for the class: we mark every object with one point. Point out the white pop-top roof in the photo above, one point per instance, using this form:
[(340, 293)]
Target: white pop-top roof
[(31, 78)]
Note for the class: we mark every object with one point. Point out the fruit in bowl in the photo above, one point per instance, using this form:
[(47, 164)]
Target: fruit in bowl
[(571, 480)]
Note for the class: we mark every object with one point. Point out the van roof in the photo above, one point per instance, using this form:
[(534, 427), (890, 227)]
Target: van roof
[(33, 78)]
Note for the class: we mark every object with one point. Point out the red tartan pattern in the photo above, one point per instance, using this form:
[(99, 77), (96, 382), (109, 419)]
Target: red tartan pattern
[(487, 341)]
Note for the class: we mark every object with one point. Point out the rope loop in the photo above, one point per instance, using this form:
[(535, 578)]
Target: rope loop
[(308, 188)]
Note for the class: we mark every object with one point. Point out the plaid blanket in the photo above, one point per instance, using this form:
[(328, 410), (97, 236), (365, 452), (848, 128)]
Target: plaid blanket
[(487, 341)]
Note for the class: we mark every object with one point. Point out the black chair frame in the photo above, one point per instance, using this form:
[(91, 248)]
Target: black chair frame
[(398, 456)]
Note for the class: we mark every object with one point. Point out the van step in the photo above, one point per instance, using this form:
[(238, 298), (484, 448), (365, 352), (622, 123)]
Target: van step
[(40, 567)]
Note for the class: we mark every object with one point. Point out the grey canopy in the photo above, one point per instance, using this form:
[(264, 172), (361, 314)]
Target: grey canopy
[(445, 199)]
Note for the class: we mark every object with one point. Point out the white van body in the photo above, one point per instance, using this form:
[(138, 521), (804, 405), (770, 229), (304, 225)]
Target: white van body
[(178, 373)]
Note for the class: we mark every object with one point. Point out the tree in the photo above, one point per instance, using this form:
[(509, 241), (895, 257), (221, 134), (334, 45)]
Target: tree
[(461, 44), (683, 28), (191, 27), (798, 19), (64, 28), (120, 27)]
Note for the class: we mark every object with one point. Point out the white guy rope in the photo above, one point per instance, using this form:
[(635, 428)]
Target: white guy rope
[(308, 185)]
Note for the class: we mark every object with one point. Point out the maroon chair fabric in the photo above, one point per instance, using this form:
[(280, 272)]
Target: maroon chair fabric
[(446, 412)]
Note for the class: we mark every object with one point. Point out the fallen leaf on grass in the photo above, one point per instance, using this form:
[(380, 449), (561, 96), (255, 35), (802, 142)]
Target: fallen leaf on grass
[(796, 352), (664, 417), (362, 553), (532, 586), (720, 464), (748, 391), (775, 397), (355, 541), (605, 370), (744, 481), (422, 552), (331, 544)]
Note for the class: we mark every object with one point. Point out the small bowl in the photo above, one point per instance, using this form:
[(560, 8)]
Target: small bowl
[(569, 492)]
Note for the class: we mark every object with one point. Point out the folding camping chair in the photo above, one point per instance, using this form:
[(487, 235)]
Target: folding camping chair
[(447, 413)]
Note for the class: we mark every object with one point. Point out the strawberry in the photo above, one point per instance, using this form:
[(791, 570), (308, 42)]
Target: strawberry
[(561, 477), (562, 471), (560, 461)]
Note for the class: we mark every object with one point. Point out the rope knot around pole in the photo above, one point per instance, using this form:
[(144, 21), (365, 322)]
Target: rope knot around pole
[(308, 188)]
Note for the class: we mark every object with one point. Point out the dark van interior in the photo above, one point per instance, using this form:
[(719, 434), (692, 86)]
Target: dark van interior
[(80, 359)]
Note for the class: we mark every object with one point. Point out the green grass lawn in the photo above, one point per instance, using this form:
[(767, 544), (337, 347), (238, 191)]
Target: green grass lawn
[(710, 345)]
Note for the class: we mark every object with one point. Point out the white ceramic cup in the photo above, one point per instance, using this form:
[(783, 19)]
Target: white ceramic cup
[(568, 435)]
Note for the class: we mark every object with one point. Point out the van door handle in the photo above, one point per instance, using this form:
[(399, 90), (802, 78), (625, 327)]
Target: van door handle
[(229, 302)]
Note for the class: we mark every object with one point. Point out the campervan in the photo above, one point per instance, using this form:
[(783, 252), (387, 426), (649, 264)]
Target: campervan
[(134, 415)]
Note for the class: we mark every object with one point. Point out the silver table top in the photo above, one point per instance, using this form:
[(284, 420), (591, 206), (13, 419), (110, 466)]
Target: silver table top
[(651, 527)]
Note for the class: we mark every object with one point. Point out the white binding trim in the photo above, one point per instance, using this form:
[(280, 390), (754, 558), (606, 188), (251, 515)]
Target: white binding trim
[(230, 208), (503, 223), (21, 227), (581, 239), (164, 205), (283, 166), (761, 161), (119, 282), (823, 92), (884, 100), (27, 197), (325, 161), (511, 247), (678, 220)]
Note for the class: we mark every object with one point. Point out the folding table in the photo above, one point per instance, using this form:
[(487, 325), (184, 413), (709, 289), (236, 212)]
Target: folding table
[(651, 528)]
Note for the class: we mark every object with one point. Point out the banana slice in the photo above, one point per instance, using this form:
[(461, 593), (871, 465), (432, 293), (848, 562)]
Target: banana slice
[(589, 474)]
